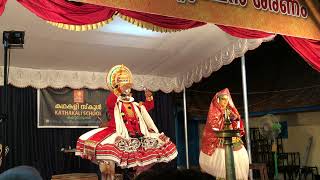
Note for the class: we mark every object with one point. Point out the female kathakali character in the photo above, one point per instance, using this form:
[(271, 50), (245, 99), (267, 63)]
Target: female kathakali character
[(212, 156)]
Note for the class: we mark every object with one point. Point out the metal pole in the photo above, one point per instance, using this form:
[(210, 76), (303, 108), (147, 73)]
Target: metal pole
[(185, 126), (5, 79), (3, 134), (245, 103)]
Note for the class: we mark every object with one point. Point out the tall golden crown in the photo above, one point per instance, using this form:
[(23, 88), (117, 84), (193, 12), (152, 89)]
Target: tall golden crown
[(118, 75)]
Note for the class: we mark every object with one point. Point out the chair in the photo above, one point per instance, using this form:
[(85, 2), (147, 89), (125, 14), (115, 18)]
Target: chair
[(262, 168)]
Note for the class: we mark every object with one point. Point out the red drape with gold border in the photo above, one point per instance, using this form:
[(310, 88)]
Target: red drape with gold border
[(80, 17), (308, 49)]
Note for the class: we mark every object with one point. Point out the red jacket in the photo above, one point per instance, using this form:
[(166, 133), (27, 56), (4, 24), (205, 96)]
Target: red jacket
[(129, 117)]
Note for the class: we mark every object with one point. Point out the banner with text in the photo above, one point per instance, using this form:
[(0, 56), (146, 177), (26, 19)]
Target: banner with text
[(71, 108), (299, 18)]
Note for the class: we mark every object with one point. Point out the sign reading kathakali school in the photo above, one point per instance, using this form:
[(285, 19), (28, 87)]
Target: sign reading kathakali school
[(297, 18), (71, 108)]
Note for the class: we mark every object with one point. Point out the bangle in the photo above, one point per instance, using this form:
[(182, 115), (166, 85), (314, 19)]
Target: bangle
[(149, 98)]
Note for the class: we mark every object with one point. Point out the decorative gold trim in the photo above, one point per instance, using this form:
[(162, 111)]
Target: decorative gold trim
[(86, 27), (146, 25), (118, 76), (116, 91), (91, 143)]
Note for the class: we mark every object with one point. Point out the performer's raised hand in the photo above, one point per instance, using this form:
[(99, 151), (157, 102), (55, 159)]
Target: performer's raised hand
[(148, 95)]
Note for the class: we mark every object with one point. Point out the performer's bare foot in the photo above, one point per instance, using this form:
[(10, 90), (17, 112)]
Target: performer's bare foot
[(107, 170)]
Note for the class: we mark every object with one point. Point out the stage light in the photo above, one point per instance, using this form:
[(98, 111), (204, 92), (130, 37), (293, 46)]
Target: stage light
[(3, 118), (13, 39)]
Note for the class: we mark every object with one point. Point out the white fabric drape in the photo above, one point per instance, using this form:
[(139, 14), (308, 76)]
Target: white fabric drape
[(42, 78), (145, 121)]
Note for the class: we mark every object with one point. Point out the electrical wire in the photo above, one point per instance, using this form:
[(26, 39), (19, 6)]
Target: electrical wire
[(263, 92)]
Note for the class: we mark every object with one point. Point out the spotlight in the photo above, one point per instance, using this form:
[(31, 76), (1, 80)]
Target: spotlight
[(13, 39)]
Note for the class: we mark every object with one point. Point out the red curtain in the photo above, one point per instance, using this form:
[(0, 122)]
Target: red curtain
[(2, 6), (80, 14), (243, 33), (62, 11), (308, 49), (162, 21)]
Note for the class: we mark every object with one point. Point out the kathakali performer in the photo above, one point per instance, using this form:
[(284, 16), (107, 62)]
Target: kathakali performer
[(212, 154), (131, 139)]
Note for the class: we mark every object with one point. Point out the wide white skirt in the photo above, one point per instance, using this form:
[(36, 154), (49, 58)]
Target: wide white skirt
[(126, 153), (215, 164)]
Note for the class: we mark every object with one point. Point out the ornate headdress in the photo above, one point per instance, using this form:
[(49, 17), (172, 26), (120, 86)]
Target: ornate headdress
[(223, 93), (118, 76)]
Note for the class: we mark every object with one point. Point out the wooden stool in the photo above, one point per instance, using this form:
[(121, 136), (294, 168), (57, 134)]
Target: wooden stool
[(76, 176), (262, 170), (82, 176)]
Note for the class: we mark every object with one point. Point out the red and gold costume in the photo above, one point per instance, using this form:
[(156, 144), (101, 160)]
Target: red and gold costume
[(131, 138), (212, 157)]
